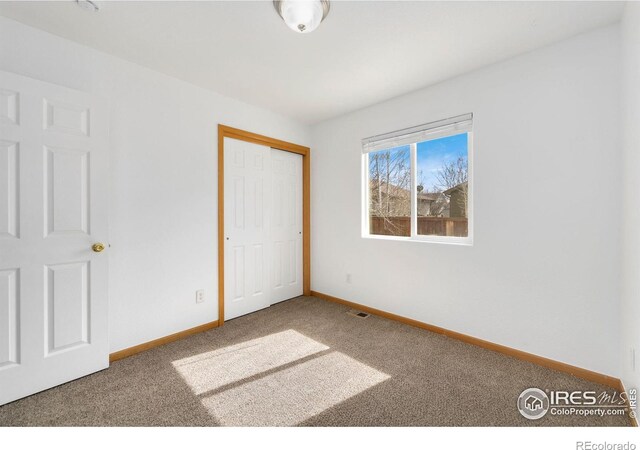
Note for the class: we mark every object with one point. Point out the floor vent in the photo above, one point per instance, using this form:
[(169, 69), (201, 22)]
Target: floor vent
[(354, 312)]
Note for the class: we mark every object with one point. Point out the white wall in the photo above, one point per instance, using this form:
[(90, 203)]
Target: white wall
[(163, 205), (630, 308), (543, 273)]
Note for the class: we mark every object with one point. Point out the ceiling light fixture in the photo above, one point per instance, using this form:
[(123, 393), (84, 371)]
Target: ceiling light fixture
[(88, 5), (302, 16)]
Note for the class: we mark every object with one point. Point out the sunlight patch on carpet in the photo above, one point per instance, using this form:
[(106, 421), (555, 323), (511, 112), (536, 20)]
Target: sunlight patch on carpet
[(213, 370), (294, 394)]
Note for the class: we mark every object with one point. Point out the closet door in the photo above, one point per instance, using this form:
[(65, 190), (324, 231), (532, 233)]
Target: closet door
[(286, 225), (247, 180)]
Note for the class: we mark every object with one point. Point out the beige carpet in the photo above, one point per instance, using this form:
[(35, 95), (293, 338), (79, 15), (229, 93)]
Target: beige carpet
[(304, 362)]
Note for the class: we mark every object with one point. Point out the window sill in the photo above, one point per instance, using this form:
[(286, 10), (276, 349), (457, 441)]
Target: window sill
[(467, 241)]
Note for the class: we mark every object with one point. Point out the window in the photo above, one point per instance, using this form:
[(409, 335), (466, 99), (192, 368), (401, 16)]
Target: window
[(390, 191), (418, 183)]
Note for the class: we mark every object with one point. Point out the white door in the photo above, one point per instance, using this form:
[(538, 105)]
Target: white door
[(262, 225), (246, 264), (53, 208), (286, 225)]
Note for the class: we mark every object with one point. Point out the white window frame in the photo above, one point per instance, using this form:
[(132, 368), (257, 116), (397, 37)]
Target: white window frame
[(415, 237)]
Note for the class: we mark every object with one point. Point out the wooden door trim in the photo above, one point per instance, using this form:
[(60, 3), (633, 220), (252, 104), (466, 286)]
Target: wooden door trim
[(242, 135)]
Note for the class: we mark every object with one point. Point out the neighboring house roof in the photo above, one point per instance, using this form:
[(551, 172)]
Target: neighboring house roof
[(390, 189), (431, 196), (396, 191), (455, 188)]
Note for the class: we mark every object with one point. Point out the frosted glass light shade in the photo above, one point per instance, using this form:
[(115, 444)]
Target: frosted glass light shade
[(302, 16)]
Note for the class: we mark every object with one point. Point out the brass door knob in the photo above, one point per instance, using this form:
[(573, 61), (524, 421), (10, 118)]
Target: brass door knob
[(97, 247)]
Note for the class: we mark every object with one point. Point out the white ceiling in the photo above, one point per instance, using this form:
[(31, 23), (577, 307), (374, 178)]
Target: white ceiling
[(363, 53)]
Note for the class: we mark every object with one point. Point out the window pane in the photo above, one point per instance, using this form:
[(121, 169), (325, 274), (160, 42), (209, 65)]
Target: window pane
[(390, 192), (442, 193)]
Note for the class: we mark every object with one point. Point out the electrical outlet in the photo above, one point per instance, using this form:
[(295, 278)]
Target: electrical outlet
[(348, 279), (200, 296)]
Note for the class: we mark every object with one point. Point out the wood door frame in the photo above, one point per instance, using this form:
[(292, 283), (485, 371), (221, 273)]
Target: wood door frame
[(242, 135)]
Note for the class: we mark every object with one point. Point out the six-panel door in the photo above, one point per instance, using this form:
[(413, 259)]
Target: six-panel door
[(286, 225), (262, 227), (53, 207), (247, 176)]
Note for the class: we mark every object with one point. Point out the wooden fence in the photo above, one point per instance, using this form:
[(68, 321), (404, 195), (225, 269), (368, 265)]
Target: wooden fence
[(434, 226)]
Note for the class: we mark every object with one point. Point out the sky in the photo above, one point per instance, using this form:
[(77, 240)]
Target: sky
[(433, 154)]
